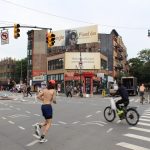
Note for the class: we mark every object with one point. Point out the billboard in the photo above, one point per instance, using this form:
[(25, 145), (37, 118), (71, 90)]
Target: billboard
[(75, 36), (89, 60)]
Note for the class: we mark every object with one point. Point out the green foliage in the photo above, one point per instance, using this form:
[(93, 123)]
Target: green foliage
[(21, 70), (144, 55), (140, 66)]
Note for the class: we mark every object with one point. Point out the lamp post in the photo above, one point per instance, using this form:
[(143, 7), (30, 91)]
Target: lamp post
[(80, 64), (21, 72)]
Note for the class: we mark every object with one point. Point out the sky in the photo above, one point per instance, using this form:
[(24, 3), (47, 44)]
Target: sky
[(130, 18)]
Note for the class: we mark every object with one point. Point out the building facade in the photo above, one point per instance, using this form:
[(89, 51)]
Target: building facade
[(83, 62), (7, 71)]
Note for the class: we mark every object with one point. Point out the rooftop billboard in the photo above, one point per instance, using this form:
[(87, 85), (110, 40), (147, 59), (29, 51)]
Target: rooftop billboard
[(74, 36)]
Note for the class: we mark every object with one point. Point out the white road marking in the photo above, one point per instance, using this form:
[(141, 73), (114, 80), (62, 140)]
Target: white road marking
[(32, 143), (36, 136), (140, 129), (109, 130), (99, 122), (37, 115), (75, 122), (4, 118), (62, 122), (89, 123), (144, 124), (11, 122), (141, 119), (146, 116), (118, 121), (28, 112), (89, 116), (137, 137), (98, 112), (148, 110), (11, 106), (131, 146), (55, 124), (5, 109), (22, 128), (131, 100), (18, 115)]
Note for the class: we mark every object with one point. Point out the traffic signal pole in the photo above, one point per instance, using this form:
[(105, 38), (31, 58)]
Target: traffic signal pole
[(5, 27), (17, 32)]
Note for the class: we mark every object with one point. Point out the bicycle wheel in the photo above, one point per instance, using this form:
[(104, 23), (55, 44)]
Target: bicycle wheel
[(132, 116), (109, 114)]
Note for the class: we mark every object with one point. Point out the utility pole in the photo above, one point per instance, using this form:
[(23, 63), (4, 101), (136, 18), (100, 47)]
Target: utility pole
[(80, 64), (21, 72)]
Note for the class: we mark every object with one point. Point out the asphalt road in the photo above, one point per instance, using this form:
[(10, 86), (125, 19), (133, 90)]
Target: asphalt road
[(78, 124)]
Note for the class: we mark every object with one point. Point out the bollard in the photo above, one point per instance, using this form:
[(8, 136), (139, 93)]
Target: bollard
[(103, 92)]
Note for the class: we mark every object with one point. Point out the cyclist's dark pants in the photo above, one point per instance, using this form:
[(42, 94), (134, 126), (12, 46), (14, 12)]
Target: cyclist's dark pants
[(122, 101)]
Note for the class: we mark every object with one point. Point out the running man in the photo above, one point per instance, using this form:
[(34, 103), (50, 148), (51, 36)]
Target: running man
[(47, 96)]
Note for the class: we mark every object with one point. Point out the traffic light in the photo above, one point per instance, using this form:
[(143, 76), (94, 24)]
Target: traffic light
[(16, 31), (148, 33), (50, 39)]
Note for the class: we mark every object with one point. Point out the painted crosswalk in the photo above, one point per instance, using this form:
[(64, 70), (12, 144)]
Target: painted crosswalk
[(141, 134)]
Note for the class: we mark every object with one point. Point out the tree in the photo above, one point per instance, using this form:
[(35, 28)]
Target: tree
[(140, 66), (144, 55), (21, 70), (135, 65)]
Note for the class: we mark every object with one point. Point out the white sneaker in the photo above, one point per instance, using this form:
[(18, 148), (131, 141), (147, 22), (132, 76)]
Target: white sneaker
[(43, 140), (37, 129)]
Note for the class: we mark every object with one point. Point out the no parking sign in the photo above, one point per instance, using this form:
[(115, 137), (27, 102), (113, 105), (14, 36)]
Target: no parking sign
[(4, 37)]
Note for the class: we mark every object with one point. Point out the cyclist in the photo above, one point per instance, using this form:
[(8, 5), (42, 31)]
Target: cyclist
[(122, 91)]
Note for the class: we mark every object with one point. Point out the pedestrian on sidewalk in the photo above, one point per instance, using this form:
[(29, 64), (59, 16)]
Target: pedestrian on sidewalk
[(24, 90), (69, 90), (47, 96), (29, 90), (142, 90)]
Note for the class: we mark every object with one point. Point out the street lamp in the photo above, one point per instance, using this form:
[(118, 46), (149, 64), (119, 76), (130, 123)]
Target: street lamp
[(21, 72), (80, 64)]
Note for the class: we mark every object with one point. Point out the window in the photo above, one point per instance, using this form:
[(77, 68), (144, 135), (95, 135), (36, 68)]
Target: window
[(55, 64)]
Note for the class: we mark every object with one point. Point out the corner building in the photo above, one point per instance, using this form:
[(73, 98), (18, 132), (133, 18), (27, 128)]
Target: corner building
[(81, 57)]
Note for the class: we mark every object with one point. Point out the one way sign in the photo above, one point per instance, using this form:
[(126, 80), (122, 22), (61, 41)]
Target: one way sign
[(4, 37)]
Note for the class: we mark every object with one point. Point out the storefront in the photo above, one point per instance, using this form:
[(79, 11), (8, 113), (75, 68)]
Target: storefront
[(85, 80)]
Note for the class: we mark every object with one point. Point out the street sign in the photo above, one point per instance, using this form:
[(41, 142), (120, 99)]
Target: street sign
[(4, 37)]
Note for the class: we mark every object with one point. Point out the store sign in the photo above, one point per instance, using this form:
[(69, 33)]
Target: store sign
[(38, 78), (89, 60)]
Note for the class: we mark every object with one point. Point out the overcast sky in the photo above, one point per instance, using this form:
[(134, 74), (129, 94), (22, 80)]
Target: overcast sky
[(130, 18)]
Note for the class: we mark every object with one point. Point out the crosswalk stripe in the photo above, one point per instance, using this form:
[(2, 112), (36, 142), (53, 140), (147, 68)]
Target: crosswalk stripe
[(145, 116), (140, 129), (141, 119), (131, 100), (144, 124), (131, 146), (137, 137)]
